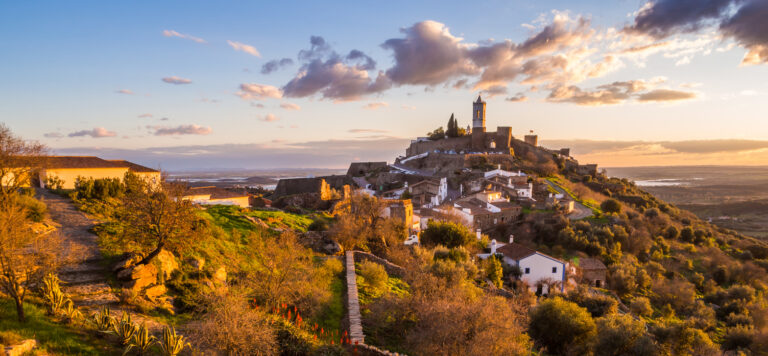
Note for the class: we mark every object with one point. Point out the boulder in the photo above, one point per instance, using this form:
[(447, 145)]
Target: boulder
[(155, 292), (331, 247), (127, 260), (167, 263), (145, 271), (138, 285), (197, 263), (220, 276), (23, 348)]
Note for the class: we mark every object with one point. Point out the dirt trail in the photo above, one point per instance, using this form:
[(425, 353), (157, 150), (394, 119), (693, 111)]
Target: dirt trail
[(85, 278)]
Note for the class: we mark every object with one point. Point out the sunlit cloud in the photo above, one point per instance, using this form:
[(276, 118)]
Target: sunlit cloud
[(172, 33), (192, 129), (253, 91), (176, 80), (97, 132), (145, 115), (124, 91), (375, 106), (242, 47), (269, 118), (290, 106)]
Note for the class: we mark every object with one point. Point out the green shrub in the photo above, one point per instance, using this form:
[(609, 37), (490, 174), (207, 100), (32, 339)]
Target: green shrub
[(375, 276), (560, 326), (641, 306), (449, 234), (36, 209), (611, 206)]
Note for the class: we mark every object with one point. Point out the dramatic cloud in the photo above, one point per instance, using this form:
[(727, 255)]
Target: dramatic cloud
[(367, 131), (290, 106), (336, 77), (180, 130), (124, 91), (494, 90), (53, 135), (665, 95), (518, 98), (171, 33), (275, 64), (269, 118), (253, 91), (242, 47), (749, 28), (428, 54), (598, 97), (176, 80), (97, 132), (146, 115), (374, 106)]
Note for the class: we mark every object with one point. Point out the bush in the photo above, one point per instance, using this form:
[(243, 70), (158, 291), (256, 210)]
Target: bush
[(374, 275), (597, 304), (36, 209), (611, 206), (562, 326), (493, 270), (641, 306), (622, 335), (671, 233), (448, 234)]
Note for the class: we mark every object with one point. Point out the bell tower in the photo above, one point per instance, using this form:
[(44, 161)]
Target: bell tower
[(478, 114), (478, 124)]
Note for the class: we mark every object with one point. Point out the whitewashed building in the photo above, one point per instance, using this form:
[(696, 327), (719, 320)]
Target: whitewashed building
[(537, 270)]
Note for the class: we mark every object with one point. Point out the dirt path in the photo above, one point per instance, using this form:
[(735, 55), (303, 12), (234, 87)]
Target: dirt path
[(85, 277), (580, 211)]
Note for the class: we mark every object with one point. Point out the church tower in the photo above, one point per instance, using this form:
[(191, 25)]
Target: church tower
[(478, 114), (478, 124)]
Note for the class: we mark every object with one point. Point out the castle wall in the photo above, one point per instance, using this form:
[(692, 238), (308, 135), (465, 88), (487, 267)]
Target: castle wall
[(452, 143), (503, 137), (301, 185)]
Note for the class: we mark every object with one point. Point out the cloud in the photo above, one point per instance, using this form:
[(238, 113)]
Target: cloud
[(269, 118), (598, 97), (124, 91), (176, 80), (367, 131), (429, 54), (253, 91), (275, 64), (97, 132), (336, 77), (180, 130), (145, 115), (518, 98), (242, 47), (750, 29), (375, 106), (494, 90), (53, 135), (665, 95), (171, 33), (290, 106)]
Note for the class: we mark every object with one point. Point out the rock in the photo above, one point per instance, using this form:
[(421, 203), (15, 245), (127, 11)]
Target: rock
[(197, 263), (155, 292), (257, 221), (22, 348), (167, 263), (331, 247), (127, 260), (138, 284), (146, 271), (220, 276)]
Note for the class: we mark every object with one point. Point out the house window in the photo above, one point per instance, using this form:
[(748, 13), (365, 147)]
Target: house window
[(527, 270), (554, 269)]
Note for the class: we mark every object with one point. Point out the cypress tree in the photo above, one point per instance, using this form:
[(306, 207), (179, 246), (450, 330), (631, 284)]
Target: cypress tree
[(453, 128)]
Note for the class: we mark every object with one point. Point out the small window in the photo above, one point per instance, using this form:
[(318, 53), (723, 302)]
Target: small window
[(554, 269), (527, 270)]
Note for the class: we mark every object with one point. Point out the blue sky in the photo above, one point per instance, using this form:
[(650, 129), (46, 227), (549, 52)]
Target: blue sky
[(64, 66)]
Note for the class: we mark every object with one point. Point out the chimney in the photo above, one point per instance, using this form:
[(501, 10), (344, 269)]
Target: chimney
[(479, 234), (511, 239), (499, 166), (493, 247)]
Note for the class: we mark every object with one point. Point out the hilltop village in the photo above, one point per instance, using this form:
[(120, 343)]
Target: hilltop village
[(472, 242)]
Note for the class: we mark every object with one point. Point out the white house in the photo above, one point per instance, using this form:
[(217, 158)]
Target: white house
[(502, 173), (538, 270)]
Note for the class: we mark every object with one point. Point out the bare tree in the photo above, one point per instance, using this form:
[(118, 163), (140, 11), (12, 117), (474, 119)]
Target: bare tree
[(19, 159), (156, 216), (25, 256)]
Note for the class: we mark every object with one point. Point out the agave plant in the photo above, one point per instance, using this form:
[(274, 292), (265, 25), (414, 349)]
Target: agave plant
[(171, 344), (141, 341), (53, 297), (103, 321), (70, 312), (124, 329)]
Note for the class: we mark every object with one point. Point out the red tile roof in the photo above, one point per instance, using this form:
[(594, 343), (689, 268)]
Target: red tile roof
[(133, 167), (515, 251), (80, 162)]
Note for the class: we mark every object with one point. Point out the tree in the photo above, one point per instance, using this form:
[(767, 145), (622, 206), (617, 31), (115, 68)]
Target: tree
[(156, 216), (561, 326), (25, 256), (493, 270), (437, 134), (687, 234), (671, 233), (449, 234), (622, 335), (18, 160), (611, 206), (453, 129)]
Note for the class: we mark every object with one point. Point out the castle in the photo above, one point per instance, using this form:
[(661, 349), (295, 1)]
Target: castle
[(477, 139)]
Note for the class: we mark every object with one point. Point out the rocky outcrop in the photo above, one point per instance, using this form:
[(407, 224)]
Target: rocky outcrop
[(166, 263), (23, 348), (320, 242), (220, 276)]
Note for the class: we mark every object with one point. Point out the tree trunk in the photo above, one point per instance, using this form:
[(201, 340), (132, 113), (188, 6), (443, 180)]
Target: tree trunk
[(151, 255), (20, 310)]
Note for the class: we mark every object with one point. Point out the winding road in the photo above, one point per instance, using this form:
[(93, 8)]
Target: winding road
[(580, 211)]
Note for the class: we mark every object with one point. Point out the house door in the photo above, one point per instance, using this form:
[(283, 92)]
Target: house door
[(598, 283), (539, 289)]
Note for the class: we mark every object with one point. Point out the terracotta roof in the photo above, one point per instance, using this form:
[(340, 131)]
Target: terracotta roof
[(591, 263), (515, 251), (133, 167), (476, 206), (426, 181), (216, 193), (80, 162), (504, 205)]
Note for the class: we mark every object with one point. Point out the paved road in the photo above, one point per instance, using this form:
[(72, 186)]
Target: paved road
[(579, 210)]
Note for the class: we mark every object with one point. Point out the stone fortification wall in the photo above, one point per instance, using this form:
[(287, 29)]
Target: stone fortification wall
[(454, 143), (300, 186)]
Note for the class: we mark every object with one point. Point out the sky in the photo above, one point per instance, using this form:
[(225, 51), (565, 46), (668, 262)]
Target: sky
[(183, 85)]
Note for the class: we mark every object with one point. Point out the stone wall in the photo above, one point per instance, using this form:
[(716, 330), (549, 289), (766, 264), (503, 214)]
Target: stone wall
[(361, 169), (453, 143), (301, 185), (391, 268)]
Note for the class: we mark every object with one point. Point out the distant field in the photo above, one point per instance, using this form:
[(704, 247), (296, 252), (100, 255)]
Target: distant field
[(732, 197)]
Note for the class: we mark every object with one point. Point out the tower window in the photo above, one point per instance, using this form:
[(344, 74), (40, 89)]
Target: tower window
[(478, 113)]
